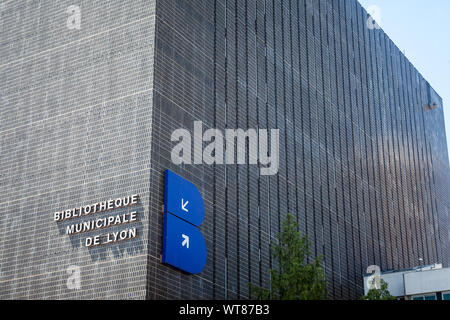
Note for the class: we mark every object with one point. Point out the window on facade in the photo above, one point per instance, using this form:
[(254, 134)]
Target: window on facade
[(425, 297)]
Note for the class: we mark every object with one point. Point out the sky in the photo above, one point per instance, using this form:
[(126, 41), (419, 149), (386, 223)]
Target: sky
[(420, 29)]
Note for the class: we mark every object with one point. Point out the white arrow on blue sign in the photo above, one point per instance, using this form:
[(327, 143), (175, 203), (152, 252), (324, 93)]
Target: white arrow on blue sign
[(183, 199), (183, 205), (185, 241), (183, 245)]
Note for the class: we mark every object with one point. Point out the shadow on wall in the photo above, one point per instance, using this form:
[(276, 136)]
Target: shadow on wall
[(129, 245)]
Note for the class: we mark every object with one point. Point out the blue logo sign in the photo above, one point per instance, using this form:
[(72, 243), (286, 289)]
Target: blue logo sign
[(183, 199), (183, 244)]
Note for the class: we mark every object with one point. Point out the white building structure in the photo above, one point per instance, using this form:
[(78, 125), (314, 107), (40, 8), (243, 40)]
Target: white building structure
[(420, 283)]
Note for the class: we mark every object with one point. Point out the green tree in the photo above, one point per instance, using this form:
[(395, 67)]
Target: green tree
[(295, 278), (379, 294)]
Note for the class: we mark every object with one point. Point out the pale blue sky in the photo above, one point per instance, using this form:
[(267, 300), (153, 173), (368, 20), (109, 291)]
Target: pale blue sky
[(421, 28)]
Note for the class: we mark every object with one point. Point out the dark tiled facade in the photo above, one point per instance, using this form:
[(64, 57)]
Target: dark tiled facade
[(87, 115)]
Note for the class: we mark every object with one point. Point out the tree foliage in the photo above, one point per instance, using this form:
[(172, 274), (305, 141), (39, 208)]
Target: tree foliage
[(295, 278), (379, 294)]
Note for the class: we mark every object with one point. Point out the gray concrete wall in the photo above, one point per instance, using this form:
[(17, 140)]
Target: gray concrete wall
[(75, 129)]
